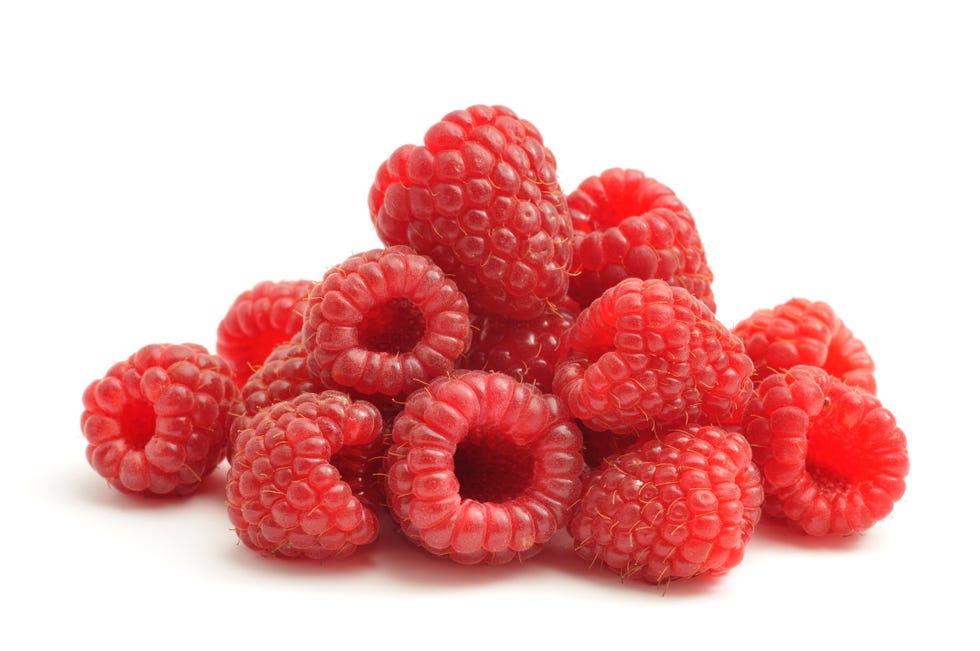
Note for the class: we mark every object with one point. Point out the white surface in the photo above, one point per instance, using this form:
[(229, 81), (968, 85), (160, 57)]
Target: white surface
[(156, 161)]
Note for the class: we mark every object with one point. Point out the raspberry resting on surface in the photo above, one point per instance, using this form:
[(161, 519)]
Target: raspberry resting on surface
[(156, 424), (481, 198), (801, 331), (286, 496), (670, 508), (832, 458), (385, 322), (630, 225), (483, 468), (258, 320), (647, 355)]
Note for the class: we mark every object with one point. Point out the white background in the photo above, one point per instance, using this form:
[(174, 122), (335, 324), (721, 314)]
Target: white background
[(158, 158)]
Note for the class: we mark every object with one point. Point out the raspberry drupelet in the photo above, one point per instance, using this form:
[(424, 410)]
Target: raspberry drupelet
[(670, 508), (801, 331), (286, 496), (482, 199), (833, 459), (630, 225), (156, 424), (483, 468), (647, 356), (258, 320), (385, 322)]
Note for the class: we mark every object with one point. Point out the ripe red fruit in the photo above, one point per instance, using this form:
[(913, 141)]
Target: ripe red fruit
[(258, 320), (483, 468), (285, 494), (526, 350), (156, 423), (833, 459), (385, 322), (481, 198), (801, 331), (647, 355), (630, 225), (670, 508)]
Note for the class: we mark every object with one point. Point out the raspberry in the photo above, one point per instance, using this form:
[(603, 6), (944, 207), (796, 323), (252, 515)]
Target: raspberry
[(384, 322), (630, 225), (285, 495), (258, 320), (483, 468), (647, 355), (156, 423), (481, 198), (806, 332), (671, 509), (832, 458), (526, 350)]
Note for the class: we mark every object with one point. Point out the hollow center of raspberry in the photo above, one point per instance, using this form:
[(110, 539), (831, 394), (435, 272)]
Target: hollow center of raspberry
[(395, 326), (492, 469), (138, 423), (834, 458)]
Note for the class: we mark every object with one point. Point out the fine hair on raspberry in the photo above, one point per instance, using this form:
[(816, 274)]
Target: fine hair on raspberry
[(481, 197), (833, 459), (385, 321), (670, 508), (801, 331), (286, 496), (156, 423), (647, 355), (630, 225), (483, 468)]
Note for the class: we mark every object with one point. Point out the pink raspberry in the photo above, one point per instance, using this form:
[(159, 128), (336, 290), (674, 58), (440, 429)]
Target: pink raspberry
[(801, 331), (156, 423), (630, 225), (286, 495), (671, 508), (833, 459), (481, 198), (647, 355), (483, 468), (258, 320), (385, 322)]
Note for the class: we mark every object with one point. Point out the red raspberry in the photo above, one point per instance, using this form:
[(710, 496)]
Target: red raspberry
[(648, 355), (833, 459), (526, 350), (671, 509), (483, 468), (800, 331), (481, 198), (286, 497), (156, 423), (385, 322), (258, 320), (629, 225)]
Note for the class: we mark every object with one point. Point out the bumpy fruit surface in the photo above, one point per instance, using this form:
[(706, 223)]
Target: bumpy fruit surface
[(285, 495), (671, 508), (385, 321), (630, 225), (258, 320), (526, 350), (833, 460), (647, 355), (156, 423), (806, 332), (483, 468), (482, 199)]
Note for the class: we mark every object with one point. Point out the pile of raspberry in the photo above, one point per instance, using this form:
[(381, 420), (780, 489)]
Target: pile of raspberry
[(510, 363)]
